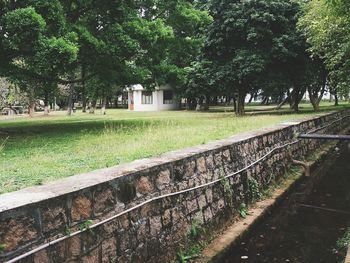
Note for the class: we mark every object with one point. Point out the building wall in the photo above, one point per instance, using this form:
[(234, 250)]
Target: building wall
[(32, 217), (157, 102)]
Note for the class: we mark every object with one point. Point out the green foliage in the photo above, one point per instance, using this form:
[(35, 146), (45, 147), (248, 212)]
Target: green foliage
[(47, 143), (344, 241), (327, 27), (249, 40), (67, 231), (228, 190), (22, 28), (243, 210), (86, 226), (254, 189), (2, 248), (102, 46), (196, 229), (184, 258)]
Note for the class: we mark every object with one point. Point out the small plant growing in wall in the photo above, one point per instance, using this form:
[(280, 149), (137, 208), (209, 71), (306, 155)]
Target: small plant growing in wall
[(67, 231), (2, 248), (243, 210), (196, 229), (225, 183), (192, 253), (86, 226), (254, 189)]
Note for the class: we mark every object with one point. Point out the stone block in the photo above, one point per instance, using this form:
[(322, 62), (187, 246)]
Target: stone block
[(41, 257), (209, 195), (190, 167), (81, 208), (226, 156), (201, 166), (57, 252), (109, 250), (74, 246), (54, 219), (192, 205), (155, 224), (163, 179), (207, 214), (210, 162), (104, 200), (142, 231), (218, 159), (166, 218), (16, 232), (144, 185), (202, 201), (91, 257)]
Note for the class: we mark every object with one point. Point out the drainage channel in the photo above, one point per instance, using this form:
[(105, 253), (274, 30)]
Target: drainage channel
[(306, 227)]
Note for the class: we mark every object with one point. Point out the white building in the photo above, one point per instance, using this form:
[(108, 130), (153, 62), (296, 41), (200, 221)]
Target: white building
[(160, 99)]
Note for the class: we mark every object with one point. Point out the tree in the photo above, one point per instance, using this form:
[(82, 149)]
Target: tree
[(245, 37), (327, 27), (112, 43)]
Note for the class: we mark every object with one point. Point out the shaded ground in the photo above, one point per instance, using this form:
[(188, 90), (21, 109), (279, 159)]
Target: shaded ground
[(303, 234)]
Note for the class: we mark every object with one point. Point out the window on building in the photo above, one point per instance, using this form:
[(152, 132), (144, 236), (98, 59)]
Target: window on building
[(168, 97), (147, 97)]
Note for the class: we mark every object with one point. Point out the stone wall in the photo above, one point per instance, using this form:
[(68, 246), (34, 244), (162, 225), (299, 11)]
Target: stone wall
[(33, 217)]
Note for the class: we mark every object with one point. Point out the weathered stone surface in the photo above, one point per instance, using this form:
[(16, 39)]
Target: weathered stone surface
[(142, 231), (163, 179), (192, 205), (201, 166), (226, 155), (210, 162), (190, 169), (109, 250), (54, 219), (41, 257), (74, 246), (155, 224), (144, 185), (208, 215), (57, 252), (202, 201), (209, 195), (81, 208), (17, 232), (91, 257), (166, 217), (104, 200), (218, 159)]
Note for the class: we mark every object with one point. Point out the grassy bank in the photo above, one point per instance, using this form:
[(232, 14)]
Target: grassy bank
[(34, 151)]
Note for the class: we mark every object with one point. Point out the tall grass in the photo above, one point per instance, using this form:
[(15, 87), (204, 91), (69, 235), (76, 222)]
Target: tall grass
[(34, 151)]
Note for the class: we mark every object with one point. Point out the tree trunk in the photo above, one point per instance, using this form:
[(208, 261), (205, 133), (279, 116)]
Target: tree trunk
[(316, 98), (31, 108), (92, 107), (84, 102), (297, 96), (104, 103), (46, 104), (234, 103), (336, 99), (70, 99), (251, 98), (207, 103), (287, 98), (240, 103), (83, 95)]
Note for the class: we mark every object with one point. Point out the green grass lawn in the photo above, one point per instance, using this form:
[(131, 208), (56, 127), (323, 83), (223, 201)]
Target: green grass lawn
[(41, 149)]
